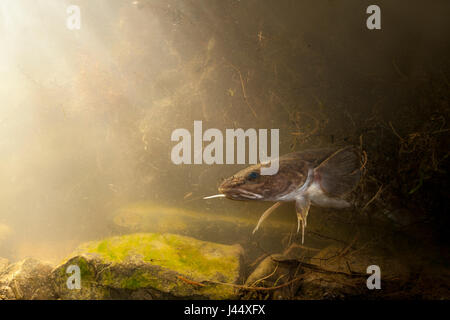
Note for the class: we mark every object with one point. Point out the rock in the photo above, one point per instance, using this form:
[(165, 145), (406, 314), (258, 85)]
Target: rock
[(275, 270), (334, 282), (342, 274), (264, 269), (3, 264), (152, 266), (27, 279), (332, 258)]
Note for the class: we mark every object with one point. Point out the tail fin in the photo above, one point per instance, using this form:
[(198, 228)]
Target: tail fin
[(340, 173)]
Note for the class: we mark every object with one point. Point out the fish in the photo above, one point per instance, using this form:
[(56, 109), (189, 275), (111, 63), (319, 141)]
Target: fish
[(320, 177)]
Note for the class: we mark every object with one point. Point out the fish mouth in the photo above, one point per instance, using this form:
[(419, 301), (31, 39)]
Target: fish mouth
[(227, 192), (239, 194), (234, 188)]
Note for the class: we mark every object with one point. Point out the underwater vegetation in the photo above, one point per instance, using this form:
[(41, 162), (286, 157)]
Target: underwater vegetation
[(86, 177)]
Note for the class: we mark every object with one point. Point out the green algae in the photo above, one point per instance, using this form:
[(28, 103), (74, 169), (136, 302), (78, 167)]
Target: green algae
[(163, 265), (188, 256)]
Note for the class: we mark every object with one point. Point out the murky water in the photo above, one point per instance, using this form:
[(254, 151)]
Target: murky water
[(86, 118)]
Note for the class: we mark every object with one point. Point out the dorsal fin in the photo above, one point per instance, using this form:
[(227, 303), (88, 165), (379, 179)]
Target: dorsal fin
[(340, 173)]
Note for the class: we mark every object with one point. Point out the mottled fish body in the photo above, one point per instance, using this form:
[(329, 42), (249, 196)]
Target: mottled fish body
[(321, 177)]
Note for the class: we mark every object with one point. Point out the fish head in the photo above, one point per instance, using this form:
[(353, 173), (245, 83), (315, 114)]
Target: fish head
[(250, 184)]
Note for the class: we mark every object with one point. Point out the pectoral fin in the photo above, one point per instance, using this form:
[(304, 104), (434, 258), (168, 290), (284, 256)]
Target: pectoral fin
[(302, 208), (266, 214)]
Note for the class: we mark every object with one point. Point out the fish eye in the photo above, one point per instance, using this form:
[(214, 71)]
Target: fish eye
[(253, 175)]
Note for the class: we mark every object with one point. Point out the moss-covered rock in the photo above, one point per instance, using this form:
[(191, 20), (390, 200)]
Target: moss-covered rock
[(152, 266)]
